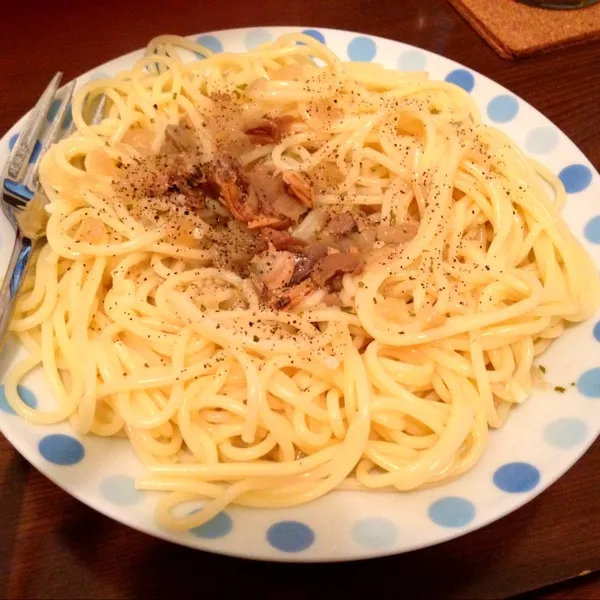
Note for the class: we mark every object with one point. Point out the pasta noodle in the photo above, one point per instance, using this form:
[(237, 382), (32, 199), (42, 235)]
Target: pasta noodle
[(388, 380)]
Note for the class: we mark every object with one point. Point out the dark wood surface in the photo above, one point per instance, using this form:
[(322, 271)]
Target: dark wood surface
[(52, 546)]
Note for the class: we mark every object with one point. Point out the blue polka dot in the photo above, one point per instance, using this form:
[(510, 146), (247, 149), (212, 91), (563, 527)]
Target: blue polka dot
[(575, 178), (565, 433), (516, 477), (36, 152), (217, 527), (290, 536), (462, 78), (257, 37), (315, 34), (589, 383), (503, 109), (541, 140), (362, 49), (412, 60), (61, 449), (375, 533), (591, 231), (120, 489), (452, 512), (25, 394), (210, 42), (12, 141), (597, 331)]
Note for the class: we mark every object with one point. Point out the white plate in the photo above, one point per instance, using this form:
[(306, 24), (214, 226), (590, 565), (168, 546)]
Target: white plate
[(541, 440)]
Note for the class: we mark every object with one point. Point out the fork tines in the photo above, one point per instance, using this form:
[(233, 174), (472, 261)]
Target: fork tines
[(19, 180)]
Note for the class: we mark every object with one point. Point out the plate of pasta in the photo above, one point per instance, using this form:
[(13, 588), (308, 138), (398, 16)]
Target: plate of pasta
[(305, 295)]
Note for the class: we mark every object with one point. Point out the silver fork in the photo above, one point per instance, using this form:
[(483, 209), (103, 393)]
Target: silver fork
[(21, 198)]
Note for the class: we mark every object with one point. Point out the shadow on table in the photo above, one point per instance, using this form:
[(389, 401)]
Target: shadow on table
[(52, 546), (128, 563)]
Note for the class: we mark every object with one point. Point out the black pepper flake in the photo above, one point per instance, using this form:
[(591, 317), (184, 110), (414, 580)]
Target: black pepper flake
[(560, 389), (255, 338)]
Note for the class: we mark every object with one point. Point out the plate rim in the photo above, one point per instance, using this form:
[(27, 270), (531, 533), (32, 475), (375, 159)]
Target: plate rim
[(490, 515)]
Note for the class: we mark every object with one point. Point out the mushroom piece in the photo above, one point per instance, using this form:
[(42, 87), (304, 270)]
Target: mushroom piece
[(333, 265), (272, 195), (303, 268), (341, 223), (397, 234), (282, 240)]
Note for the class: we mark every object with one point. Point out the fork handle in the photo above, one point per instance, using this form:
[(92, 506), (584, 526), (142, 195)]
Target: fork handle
[(15, 273)]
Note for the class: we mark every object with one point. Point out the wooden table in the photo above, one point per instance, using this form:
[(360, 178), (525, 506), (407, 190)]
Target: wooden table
[(51, 546)]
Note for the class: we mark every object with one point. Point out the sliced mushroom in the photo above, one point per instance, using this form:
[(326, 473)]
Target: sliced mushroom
[(303, 267), (273, 198), (397, 234), (282, 240), (315, 251), (341, 223), (332, 265)]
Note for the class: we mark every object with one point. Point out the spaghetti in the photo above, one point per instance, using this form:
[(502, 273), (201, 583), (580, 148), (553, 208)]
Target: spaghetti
[(280, 274)]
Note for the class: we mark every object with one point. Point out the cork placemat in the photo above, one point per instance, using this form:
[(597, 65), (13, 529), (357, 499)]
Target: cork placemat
[(516, 30)]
